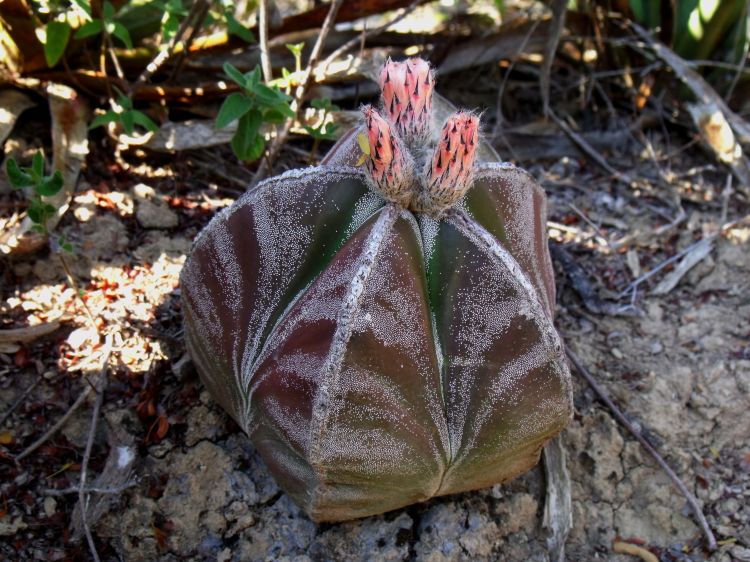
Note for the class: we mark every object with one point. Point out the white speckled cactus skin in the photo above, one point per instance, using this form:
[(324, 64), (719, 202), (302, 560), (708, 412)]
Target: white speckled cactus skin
[(384, 333)]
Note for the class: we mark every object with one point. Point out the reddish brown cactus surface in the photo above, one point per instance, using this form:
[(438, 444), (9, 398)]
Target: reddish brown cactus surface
[(384, 333)]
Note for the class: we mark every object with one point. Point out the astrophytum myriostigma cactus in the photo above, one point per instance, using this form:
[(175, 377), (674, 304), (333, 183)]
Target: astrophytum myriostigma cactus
[(384, 332)]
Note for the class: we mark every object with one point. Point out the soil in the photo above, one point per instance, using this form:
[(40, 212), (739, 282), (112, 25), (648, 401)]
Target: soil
[(680, 369)]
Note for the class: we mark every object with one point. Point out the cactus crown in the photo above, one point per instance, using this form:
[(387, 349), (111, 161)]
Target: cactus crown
[(408, 162)]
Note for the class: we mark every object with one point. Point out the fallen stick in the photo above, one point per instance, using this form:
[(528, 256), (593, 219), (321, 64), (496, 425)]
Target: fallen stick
[(702, 89), (101, 384), (299, 94), (19, 401), (620, 417), (31, 333), (620, 547), (558, 511), (55, 428), (589, 150)]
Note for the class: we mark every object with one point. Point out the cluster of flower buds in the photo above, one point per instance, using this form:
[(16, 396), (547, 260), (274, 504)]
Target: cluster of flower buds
[(407, 89)]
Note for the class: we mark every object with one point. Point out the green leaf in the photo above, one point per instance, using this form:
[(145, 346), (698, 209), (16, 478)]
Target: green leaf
[(144, 121), (100, 120), (127, 121), (274, 116), (108, 11), (296, 48), (234, 107), (51, 185), (169, 27), (285, 110), (236, 28), (235, 74), (257, 148), (269, 96), (57, 35), (244, 142), (85, 6), (252, 78), (88, 29), (319, 103), (36, 212), (123, 101), (17, 177), (121, 32), (37, 164)]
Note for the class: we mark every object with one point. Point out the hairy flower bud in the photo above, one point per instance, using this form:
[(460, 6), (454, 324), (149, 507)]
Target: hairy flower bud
[(449, 172), (389, 164), (407, 97)]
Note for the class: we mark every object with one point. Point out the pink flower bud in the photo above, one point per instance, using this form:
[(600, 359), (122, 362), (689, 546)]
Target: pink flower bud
[(389, 164), (450, 171), (407, 97)]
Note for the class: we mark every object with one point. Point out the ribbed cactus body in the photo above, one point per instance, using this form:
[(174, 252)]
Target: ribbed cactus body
[(376, 355)]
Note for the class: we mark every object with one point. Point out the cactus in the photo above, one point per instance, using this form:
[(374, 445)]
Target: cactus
[(384, 333)]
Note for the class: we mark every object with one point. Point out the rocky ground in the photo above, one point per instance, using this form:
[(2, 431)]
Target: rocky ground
[(680, 369)]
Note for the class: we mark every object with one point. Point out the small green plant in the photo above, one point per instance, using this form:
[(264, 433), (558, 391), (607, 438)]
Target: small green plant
[(174, 11), (325, 130), (122, 112), (105, 23), (38, 186), (256, 104), (296, 50)]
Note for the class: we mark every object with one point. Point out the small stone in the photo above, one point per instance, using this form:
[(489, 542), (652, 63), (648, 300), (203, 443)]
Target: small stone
[(143, 191), (50, 506), (10, 528), (656, 348), (156, 215), (741, 553), (152, 212), (80, 336), (617, 353)]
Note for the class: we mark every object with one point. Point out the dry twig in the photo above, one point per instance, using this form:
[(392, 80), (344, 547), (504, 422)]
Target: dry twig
[(28, 334), (265, 57), (164, 55), (588, 149), (83, 496), (359, 40), (620, 417), (585, 289), (55, 428), (559, 8), (299, 94), (702, 89), (558, 512), (19, 401)]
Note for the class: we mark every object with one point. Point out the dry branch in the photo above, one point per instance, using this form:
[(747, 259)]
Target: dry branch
[(31, 333), (299, 94), (558, 511), (559, 8)]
